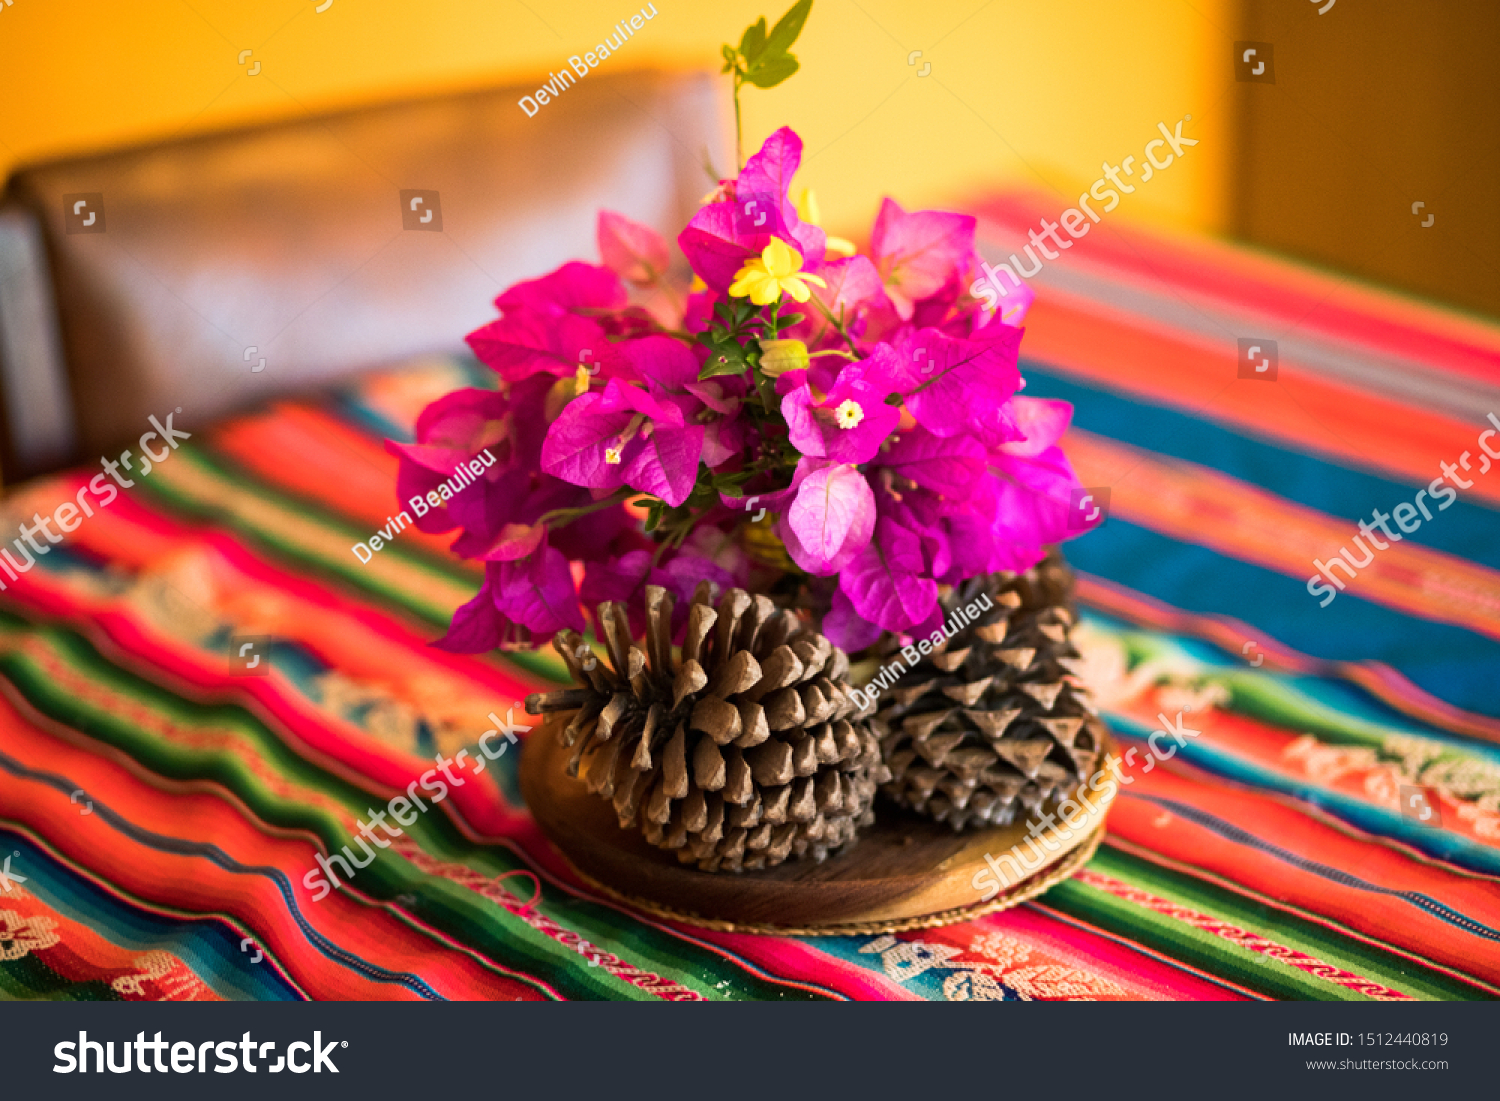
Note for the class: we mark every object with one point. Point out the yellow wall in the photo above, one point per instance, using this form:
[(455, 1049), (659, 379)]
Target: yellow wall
[(1037, 92)]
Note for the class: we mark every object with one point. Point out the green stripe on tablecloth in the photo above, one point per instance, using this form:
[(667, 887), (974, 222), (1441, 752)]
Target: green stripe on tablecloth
[(1223, 957), (486, 927)]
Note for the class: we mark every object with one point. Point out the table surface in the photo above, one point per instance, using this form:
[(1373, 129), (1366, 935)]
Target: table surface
[(1328, 830)]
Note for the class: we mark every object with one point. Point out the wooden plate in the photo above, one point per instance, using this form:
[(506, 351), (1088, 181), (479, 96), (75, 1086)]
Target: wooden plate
[(904, 872)]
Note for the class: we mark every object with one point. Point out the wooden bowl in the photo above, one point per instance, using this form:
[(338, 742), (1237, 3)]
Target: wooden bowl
[(904, 872)]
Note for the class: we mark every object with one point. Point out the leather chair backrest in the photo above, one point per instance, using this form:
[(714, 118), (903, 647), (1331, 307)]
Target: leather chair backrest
[(292, 244)]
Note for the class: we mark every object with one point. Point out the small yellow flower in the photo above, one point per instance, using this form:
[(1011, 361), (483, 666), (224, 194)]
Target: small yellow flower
[(807, 210), (612, 456), (848, 414), (581, 380), (776, 270)]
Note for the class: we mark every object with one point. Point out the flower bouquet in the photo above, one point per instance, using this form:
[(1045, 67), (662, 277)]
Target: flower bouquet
[(812, 451)]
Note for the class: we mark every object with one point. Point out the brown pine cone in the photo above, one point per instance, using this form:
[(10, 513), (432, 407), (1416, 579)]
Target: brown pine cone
[(737, 753), (993, 722)]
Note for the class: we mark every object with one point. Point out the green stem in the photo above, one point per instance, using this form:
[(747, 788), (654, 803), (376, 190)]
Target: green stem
[(560, 517), (739, 144), (836, 323)]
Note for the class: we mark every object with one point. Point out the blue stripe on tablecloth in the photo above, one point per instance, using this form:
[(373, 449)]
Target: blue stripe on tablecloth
[(1449, 662), (1465, 528)]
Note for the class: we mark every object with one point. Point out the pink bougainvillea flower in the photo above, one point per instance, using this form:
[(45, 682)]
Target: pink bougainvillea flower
[(853, 294), (522, 602), (949, 467), (846, 628), (464, 426), (847, 425), (953, 385), (1035, 482), (918, 253), (830, 520), (634, 252), (547, 324), (537, 592), (754, 210), (625, 437), (1003, 302), (769, 172), (885, 582)]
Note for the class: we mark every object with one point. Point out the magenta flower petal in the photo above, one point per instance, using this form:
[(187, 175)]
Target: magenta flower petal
[(713, 247), (971, 544), (723, 440), (855, 293), (815, 426), (769, 172), (721, 236), (846, 628), (947, 466), (634, 252), (575, 447), (830, 520), (953, 385), (666, 364), (537, 592), (918, 253), (620, 396), (515, 541), (1032, 498), (666, 463), (884, 581), (1043, 422), (478, 626), (544, 323)]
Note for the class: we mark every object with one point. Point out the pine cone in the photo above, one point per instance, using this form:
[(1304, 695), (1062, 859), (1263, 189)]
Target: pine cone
[(737, 754), (994, 722)]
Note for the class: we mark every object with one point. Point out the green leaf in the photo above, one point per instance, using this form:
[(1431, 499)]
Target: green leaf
[(772, 70), (728, 359), (728, 482), (753, 44), (767, 390), (787, 28)]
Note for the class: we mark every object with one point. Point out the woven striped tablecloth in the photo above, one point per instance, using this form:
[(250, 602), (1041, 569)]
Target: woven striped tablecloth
[(1331, 832)]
